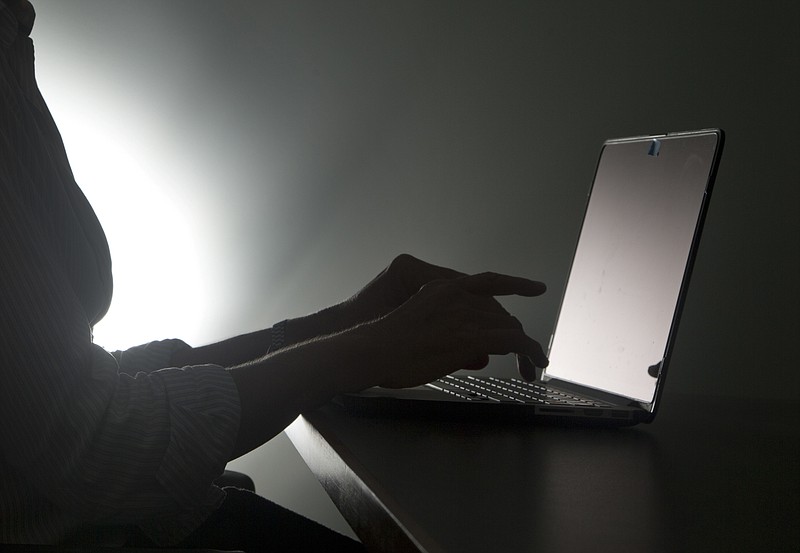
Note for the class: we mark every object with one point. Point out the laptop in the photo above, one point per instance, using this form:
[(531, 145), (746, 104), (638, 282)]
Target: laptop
[(618, 318)]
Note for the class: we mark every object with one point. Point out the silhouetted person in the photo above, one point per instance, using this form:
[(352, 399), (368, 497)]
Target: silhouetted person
[(126, 445)]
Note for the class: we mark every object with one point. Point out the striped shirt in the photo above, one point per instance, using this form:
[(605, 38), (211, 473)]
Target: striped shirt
[(88, 438)]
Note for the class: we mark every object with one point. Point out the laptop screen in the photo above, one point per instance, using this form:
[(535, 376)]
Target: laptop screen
[(617, 312)]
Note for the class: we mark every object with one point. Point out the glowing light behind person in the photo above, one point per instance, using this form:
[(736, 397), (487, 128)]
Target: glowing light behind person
[(155, 241), (150, 182), (236, 151)]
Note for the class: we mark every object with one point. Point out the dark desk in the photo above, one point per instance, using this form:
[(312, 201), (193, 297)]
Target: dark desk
[(706, 476)]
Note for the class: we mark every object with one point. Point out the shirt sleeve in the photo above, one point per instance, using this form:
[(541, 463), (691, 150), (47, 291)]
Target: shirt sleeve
[(86, 443), (91, 444), (148, 357)]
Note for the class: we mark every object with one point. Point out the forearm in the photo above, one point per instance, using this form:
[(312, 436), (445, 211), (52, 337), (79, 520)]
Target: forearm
[(229, 352), (275, 389), (248, 347)]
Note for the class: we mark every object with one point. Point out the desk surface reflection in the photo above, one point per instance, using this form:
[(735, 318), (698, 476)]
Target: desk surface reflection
[(709, 474)]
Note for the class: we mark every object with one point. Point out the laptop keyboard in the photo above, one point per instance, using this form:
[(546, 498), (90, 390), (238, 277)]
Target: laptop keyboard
[(507, 390)]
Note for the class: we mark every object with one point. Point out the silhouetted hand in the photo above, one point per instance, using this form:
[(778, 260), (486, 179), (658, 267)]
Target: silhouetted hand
[(403, 278), (412, 324), (454, 324)]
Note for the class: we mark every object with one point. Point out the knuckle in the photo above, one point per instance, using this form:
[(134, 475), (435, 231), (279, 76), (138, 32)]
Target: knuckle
[(433, 289), (403, 261)]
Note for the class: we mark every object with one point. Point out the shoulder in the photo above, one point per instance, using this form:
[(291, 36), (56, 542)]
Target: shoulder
[(16, 16)]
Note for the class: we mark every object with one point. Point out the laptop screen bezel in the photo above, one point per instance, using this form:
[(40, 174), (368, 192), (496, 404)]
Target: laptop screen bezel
[(650, 407)]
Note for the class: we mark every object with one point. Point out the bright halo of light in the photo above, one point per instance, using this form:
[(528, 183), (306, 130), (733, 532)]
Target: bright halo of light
[(160, 286)]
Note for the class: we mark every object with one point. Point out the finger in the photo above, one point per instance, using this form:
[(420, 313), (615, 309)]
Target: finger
[(435, 272), (495, 284), (501, 341), (536, 354), (526, 368)]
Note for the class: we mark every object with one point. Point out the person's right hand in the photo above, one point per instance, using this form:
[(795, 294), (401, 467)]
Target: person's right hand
[(450, 323), (453, 324), (403, 278)]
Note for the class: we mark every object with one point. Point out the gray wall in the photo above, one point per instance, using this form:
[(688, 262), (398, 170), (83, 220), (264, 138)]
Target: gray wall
[(309, 142)]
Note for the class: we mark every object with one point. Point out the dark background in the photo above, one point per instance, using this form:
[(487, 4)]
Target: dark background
[(301, 145)]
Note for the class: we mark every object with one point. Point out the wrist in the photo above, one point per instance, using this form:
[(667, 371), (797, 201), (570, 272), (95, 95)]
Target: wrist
[(361, 359)]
